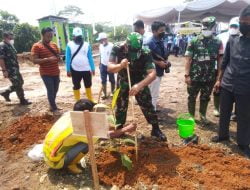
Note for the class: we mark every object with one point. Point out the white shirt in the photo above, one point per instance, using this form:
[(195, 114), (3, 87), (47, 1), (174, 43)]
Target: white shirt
[(80, 61), (146, 38), (105, 53), (224, 37)]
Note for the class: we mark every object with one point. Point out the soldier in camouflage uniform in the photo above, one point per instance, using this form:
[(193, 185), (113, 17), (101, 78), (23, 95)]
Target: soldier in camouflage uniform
[(203, 52), (10, 69), (131, 54)]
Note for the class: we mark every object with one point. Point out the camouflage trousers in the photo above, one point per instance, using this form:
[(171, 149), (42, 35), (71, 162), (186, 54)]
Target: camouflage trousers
[(144, 100), (205, 89), (16, 80)]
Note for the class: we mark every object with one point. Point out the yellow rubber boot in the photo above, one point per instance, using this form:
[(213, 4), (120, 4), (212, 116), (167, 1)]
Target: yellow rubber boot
[(77, 95), (89, 94), (73, 168)]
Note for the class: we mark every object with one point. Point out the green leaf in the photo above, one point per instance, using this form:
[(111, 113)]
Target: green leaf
[(114, 99), (126, 162), (129, 141)]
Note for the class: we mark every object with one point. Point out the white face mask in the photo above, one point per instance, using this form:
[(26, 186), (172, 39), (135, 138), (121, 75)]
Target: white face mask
[(207, 33), (12, 42), (234, 31)]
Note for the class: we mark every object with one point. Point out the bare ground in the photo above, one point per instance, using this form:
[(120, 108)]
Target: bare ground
[(19, 172)]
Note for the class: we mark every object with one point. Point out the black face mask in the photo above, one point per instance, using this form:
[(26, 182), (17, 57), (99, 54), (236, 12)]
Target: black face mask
[(78, 40), (161, 35), (245, 29)]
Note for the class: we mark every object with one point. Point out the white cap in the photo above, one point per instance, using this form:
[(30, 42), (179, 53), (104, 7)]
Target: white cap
[(101, 36), (234, 21), (77, 31)]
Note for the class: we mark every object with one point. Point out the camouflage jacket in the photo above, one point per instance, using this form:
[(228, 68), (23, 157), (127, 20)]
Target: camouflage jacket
[(204, 53), (138, 68), (9, 54)]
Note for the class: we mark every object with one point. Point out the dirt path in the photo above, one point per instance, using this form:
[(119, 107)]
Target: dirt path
[(18, 172)]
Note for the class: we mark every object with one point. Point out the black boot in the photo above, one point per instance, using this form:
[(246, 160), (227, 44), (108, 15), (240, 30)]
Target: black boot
[(216, 105), (245, 150), (217, 139), (203, 112), (156, 132), (24, 102), (191, 107), (6, 96)]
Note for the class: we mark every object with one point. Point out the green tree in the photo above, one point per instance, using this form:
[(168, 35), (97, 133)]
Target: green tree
[(70, 11), (121, 33), (7, 22), (7, 17), (25, 36)]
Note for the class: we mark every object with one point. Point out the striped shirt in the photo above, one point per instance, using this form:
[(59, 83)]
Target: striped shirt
[(48, 68)]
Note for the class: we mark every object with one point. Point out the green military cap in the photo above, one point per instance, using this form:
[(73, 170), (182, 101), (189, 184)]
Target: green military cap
[(209, 22)]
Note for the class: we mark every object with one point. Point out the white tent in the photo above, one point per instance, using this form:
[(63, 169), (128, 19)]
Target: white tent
[(223, 10)]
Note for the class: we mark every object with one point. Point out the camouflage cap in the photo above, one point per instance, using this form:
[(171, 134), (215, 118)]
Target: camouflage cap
[(209, 22)]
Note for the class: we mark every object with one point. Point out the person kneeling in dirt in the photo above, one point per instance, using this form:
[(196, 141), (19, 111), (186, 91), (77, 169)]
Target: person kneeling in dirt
[(61, 148), (133, 55)]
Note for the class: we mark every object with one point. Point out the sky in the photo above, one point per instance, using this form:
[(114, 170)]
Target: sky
[(114, 11)]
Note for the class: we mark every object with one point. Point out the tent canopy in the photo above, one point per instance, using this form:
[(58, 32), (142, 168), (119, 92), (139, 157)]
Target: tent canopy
[(223, 10)]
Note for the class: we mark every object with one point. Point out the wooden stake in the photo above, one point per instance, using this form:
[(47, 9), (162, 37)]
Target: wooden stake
[(91, 149), (99, 94), (133, 113)]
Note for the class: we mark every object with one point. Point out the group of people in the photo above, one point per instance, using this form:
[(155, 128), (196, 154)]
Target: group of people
[(209, 68)]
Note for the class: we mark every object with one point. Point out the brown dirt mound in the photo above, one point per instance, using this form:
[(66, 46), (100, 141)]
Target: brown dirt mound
[(191, 167), (25, 132)]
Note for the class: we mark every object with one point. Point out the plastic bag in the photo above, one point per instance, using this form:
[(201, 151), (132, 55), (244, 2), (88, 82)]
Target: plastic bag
[(36, 153)]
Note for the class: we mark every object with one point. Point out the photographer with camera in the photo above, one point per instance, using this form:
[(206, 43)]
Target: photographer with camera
[(160, 58)]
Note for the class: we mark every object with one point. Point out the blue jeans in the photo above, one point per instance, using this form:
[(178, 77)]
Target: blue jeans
[(52, 85), (104, 73)]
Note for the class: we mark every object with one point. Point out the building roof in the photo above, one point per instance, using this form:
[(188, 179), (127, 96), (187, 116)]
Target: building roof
[(53, 18)]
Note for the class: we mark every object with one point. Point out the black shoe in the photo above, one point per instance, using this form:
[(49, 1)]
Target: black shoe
[(158, 134), (25, 102), (104, 97), (245, 150), (217, 139), (6, 96), (191, 140), (119, 126)]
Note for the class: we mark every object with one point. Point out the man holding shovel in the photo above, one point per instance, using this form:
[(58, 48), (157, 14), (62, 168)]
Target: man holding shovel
[(131, 55)]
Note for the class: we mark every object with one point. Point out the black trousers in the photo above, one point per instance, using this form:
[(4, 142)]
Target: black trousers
[(242, 105), (78, 76), (176, 50)]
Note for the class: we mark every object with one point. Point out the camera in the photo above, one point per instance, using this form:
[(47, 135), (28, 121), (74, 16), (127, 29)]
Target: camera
[(167, 69)]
